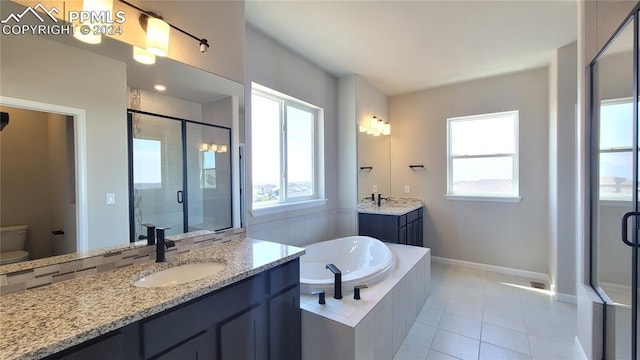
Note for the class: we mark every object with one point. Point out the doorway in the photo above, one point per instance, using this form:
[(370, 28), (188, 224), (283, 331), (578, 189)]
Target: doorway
[(62, 175)]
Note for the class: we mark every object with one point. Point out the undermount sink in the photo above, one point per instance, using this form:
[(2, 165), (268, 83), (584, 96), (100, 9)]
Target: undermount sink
[(180, 274)]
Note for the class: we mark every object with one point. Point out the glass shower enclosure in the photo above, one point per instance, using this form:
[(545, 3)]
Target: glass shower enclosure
[(179, 176), (615, 216)]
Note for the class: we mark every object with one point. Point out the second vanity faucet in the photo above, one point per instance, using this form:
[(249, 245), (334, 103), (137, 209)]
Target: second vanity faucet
[(380, 198), (161, 244)]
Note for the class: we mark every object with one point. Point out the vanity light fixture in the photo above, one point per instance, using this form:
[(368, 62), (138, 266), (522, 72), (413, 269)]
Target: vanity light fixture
[(159, 87), (84, 32), (157, 38), (375, 127), (157, 35), (204, 147), (143, 56)]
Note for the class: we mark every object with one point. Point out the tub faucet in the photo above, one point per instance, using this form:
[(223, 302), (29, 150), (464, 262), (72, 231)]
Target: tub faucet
[(337, 281), (380, 198), (161, 243)]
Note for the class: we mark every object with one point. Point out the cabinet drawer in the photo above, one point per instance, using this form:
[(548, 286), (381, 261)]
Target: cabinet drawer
[(402, 220), (284, 276), (111, 347), (412, 216)]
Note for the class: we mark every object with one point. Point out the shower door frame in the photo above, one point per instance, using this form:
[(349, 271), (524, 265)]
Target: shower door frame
[(184, 190), (594, 191)]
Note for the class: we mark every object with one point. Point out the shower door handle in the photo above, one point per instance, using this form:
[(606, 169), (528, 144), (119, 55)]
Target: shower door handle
[(625, 220), (179, 197)]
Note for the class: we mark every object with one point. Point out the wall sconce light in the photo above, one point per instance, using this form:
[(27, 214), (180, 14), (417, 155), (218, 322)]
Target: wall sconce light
[(222, 148), (144, 56), (92, 6), (376, 127)]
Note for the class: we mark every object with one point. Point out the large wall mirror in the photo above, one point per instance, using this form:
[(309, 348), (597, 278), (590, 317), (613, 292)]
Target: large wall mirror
[(374, 165), (77, 199)]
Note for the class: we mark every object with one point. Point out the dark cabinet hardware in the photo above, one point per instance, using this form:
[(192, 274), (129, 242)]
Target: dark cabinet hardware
[(366, 168), (58, 232), (413, 167)]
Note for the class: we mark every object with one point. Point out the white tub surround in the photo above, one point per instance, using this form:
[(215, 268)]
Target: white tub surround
[(361, 259), (46, 320), (375, 326), (390, 206)]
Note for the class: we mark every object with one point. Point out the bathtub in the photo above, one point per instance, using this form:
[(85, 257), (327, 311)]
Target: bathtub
[(362, 260)]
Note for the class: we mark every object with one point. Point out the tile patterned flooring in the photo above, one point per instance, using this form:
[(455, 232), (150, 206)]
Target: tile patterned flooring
[(477, 314)]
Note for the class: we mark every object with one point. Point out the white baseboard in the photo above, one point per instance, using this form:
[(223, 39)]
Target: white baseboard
[(494, 268), (566, 298)]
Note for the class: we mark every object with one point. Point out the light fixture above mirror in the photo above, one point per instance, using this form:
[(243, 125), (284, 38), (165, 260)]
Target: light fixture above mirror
[(85, 32), (375, 127)]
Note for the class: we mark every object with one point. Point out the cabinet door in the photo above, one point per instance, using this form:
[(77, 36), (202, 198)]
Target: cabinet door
[(194, 349), (402, 235), (245, 337), (286, 326)]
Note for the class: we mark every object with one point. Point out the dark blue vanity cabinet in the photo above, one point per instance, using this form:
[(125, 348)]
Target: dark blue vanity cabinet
[(398, 229), (256, 318)]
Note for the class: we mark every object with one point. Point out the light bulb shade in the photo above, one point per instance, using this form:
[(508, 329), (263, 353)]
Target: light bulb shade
[(157, 36), (387, 129), (203, 147), (92, 6), (143, 56), (222, 148), (213, 147), (362, 128)]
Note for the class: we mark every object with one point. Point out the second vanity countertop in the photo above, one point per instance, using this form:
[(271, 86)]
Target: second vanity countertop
[(42, 321), (392, 206)]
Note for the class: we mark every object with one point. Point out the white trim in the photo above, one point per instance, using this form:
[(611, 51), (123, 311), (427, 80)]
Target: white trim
[(494, 268), (284, 207), (579, 350), (80, 139), (515, 114), (504, 199), (565, 298)]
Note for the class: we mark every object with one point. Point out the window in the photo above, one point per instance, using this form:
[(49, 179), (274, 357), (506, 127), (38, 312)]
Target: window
[(147, 162), (284, 149), (483, 156), (616, 157)]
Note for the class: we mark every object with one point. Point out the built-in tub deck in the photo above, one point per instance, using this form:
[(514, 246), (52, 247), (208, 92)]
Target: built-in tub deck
[(375, 326)]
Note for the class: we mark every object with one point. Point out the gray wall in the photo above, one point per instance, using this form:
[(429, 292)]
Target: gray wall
[(513, 235), (562, 170), (272, 65)]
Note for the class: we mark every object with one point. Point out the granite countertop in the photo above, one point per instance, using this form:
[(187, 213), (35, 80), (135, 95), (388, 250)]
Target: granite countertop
[(42, 321), (392, 206)]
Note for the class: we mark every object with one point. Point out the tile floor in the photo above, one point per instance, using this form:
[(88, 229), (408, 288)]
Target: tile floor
[(476, 314)]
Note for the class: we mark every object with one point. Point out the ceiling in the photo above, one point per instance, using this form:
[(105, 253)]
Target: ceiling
[(406, 46)]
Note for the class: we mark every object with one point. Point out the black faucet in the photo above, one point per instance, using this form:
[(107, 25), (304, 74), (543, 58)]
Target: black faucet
[(337, 282), (161, 244), (373, 197), (380, 198), (151, 234)]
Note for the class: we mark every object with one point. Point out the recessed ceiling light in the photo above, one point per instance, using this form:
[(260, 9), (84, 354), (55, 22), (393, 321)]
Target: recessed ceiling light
[(160, 87)]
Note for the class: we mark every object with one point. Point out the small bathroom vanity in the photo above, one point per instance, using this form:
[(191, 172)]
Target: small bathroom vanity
[(398, 221)]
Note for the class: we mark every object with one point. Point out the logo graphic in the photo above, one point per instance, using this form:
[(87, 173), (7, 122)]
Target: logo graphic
[(92, 23), (34, 12)]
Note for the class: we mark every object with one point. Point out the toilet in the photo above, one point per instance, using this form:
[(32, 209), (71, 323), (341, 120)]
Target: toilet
[(12, 243)]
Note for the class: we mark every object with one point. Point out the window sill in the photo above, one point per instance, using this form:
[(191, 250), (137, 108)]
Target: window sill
[(503, 199), (280, 208)]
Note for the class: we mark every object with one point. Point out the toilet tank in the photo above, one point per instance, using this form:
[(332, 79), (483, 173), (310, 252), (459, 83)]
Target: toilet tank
[(13, 238)]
